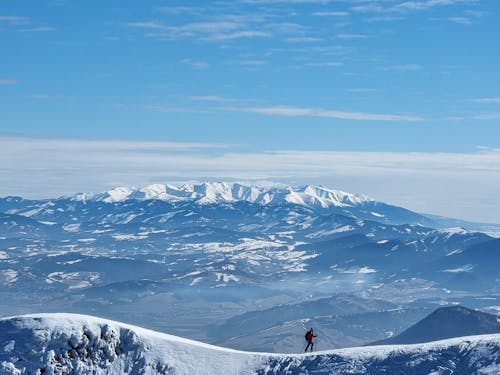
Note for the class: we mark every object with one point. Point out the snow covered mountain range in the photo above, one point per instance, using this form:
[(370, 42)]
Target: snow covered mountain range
[(216, 254), (78, 344), (221, 192), (318, 198)]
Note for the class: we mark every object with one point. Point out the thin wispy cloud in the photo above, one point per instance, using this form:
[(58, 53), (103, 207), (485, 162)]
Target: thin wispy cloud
[(181, 9), (196, 64), (41, 96), (211, 98), (206, 29), (56, 3), (487, 116), (288, 1), (369, 8), (237, 35), (384, 18), (332, 50), (248, 62), (404, 68), (23, 24), (41, 29), (8, 81), (219, 30), (172, 109), (14, 20), (406, 6), (112, 39), (333, 64), (225, 22), (331, 14), (362, 90), (326, 113), (427, 4), (351, 36), (151, 25), (474, 13), (304, 39), (285, 111), (460, 20), (487, 100)]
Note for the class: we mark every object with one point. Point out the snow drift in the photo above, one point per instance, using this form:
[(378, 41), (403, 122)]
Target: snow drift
[(79, 344)]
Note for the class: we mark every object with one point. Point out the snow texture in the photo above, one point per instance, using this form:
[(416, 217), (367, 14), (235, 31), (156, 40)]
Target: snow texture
[(79, 344)]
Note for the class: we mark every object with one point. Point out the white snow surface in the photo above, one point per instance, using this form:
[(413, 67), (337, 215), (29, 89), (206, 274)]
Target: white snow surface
[(116, 195), (79, 344), (455, 230), (222, 192)]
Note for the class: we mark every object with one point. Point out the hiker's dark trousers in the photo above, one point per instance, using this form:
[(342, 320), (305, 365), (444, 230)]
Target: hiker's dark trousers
[(309, 343)]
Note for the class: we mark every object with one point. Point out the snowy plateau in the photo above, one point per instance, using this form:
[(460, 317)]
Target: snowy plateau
[(243, 267)]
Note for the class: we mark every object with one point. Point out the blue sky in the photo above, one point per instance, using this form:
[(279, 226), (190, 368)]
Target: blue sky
[(412, 86)]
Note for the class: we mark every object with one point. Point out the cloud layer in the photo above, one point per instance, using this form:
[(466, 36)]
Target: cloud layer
[(457, 185), (328, 113)]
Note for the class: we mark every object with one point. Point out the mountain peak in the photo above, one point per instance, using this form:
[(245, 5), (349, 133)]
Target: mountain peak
[(117, 194)]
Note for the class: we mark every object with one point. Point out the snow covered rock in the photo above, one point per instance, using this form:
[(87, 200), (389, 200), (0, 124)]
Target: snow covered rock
[(78, 344)]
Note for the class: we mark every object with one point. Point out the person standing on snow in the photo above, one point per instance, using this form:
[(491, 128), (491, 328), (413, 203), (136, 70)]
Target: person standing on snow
[(309, 338)]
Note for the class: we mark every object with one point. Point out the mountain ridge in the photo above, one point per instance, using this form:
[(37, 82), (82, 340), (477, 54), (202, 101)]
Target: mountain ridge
[(223, 192), (316, 197), (319, 199), (444, 323), (75, 344)]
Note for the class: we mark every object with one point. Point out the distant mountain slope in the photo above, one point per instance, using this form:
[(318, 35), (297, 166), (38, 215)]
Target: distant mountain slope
[(491, 229), (339, 322), (447, 322), (78, 344)]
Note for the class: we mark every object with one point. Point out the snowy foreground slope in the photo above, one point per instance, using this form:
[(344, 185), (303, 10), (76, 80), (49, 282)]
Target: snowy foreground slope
[(79, 344)]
